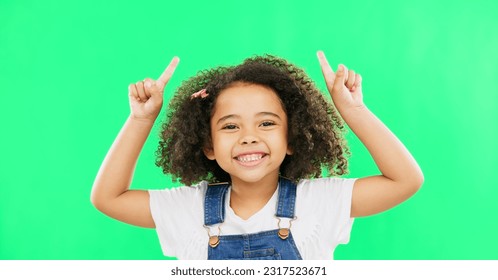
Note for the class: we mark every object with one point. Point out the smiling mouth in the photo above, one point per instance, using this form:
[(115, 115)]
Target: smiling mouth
[(250, 157)]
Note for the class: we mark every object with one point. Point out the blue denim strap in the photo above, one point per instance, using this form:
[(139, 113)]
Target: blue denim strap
[(286, 198), (214, 204)]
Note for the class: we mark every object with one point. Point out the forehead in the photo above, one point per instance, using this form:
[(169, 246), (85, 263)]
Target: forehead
[(241, 97)]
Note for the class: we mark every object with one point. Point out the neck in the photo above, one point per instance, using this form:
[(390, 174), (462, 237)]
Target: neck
[(251, 190), (246, 198)]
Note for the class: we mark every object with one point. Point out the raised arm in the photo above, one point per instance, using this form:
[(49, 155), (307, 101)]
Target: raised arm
[(401, 176), (110, 192)]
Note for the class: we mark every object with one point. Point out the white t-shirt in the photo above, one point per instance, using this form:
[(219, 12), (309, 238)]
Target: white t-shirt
[(322, 209)]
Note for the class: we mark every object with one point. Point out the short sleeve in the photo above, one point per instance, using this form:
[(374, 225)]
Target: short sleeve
[(342, 209), (324, 210), (177, 214)]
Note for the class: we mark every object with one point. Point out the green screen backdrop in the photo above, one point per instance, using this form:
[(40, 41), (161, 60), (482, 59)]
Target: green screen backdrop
[(430, 73)]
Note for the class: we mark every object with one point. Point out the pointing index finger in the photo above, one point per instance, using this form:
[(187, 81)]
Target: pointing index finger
[(168, 72), (324, 64)]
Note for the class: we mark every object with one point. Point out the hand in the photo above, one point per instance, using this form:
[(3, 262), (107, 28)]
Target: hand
[(146, 97), (344, 86)]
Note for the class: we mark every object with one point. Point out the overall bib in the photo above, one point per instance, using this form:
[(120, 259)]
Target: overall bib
[(275, 244)]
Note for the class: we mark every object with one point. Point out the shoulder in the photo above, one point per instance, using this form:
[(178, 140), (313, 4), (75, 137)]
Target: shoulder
[(330, 184), (323, 192), (182, 190), (178, 195)]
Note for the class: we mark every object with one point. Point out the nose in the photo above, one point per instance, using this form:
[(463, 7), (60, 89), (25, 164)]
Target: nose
[(249, 137)]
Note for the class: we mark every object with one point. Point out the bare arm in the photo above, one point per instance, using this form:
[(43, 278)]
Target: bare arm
[(110, 192), (400, 175)]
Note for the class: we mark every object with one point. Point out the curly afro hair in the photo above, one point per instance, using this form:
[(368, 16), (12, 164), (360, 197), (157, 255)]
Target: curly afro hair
[(315, 132)]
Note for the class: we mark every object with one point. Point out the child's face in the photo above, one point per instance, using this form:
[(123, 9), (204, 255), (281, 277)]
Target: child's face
[(248, 132)]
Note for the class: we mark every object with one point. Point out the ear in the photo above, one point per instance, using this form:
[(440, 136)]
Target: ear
[(209, 153), (290, 151)]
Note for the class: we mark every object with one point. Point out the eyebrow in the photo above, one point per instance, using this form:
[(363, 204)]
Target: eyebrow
[(238, 116)]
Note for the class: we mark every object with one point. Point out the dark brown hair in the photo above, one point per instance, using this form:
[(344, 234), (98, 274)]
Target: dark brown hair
[(315, 131)]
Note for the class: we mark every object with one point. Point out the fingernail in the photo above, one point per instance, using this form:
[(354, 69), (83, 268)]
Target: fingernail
[(340, 68), (147, 84)]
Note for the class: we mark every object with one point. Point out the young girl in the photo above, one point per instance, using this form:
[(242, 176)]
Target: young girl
[(249, 142)]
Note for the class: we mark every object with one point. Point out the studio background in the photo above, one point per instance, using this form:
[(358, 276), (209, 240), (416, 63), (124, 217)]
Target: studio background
[(429, 73)]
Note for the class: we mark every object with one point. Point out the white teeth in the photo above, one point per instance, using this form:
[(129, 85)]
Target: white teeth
[(247, 158)]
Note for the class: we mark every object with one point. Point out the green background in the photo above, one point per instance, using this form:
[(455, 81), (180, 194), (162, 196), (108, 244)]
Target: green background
[(430, 73)]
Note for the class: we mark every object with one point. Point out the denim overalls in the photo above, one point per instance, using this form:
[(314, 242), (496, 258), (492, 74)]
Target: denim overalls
[(275, 244)]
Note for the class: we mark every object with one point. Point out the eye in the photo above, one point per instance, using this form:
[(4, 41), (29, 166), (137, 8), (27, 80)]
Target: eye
[(229, 126), (267, 123)]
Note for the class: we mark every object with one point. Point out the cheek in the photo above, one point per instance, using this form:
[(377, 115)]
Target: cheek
[(222, 143), (279, 140)]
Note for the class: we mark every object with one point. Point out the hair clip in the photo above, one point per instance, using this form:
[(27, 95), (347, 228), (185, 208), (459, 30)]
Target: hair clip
[(201, 93)]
